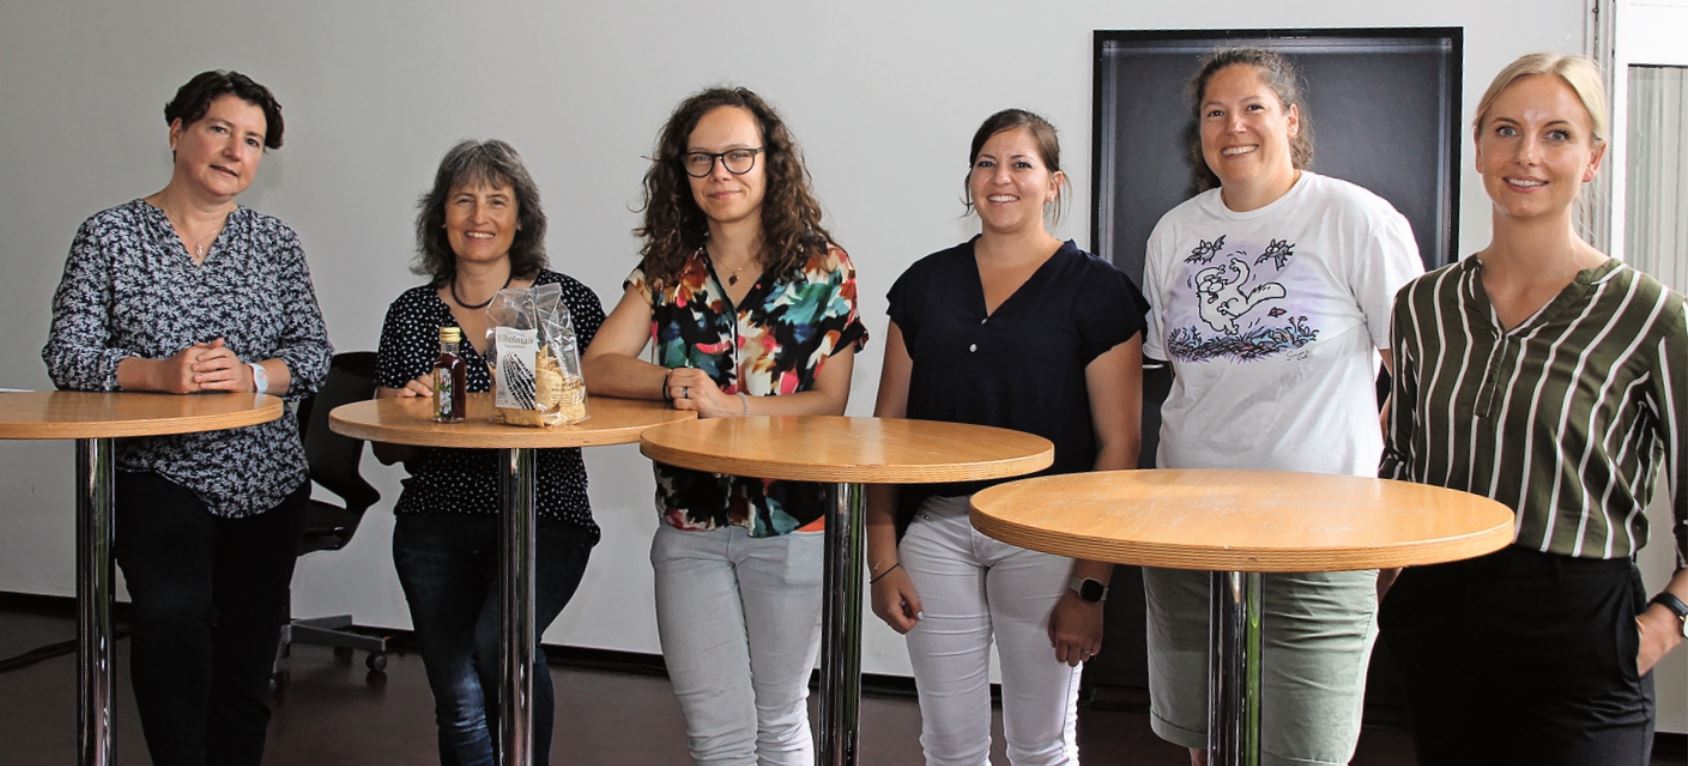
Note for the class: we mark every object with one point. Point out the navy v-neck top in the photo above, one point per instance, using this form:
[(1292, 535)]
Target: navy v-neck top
[(1021, 367)]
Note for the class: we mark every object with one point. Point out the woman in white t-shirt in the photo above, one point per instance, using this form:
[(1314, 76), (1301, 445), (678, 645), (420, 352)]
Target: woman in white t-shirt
[(1270, 295)]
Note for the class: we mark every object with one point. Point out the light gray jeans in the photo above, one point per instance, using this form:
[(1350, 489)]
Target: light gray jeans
[(740, 622), (973, 589)]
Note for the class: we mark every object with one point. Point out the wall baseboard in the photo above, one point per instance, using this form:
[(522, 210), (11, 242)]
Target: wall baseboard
[(617, 661)]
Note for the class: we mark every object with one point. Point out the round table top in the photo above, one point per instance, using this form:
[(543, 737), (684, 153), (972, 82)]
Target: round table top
[(1242, 521), (117, 414), (829, 448), (411, 421)]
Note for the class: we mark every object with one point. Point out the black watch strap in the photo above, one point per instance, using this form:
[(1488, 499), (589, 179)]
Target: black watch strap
[(1669, 601)]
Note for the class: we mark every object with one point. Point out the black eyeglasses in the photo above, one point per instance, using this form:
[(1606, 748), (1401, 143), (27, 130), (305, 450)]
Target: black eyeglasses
[(736, 161)]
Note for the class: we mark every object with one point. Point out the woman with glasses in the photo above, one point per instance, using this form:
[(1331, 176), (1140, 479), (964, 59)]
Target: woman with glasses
[(1270, 296), (1017, 329), (1544, 374), (749, 309), (478, 230)]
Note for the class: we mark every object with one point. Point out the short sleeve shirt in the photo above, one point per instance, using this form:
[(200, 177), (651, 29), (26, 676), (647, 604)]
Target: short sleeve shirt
[(1271, 319), (772, 343), (1022, 366), (130, 289), (447, 480)]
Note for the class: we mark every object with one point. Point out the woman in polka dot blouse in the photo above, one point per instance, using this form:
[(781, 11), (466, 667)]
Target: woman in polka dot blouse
[(478, 230)]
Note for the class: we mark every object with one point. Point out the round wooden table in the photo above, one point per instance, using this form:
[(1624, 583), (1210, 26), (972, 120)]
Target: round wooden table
[(1239, 524), (93, 419), (410, 421), (848, 452)]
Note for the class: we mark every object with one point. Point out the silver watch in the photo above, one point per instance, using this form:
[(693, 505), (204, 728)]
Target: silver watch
[(1090, 590)]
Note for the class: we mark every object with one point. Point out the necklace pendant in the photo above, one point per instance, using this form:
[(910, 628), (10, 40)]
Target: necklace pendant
[(732, 279)]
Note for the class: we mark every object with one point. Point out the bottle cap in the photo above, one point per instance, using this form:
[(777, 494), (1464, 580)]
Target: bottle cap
[(451, 335)]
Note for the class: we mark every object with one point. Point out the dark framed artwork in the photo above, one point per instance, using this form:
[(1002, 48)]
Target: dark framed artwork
[(1384, 104)]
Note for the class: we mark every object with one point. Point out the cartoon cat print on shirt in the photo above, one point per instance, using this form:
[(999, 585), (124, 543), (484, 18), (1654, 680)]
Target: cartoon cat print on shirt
[(1222, 301), (1238, 314)]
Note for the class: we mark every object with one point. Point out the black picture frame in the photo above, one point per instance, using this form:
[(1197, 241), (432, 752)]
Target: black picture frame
[(1384, 104)]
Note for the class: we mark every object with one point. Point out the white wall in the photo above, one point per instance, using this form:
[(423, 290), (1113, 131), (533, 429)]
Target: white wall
[(883, 95)]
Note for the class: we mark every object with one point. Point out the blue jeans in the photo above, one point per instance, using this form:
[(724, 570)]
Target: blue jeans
[(448, 565)]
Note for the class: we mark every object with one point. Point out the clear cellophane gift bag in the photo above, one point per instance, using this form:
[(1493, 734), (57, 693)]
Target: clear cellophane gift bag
[(535, 359)]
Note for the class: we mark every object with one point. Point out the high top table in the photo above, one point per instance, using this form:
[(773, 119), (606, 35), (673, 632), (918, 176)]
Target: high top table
[(1239, 524), (410, 421), (848, 452), (93, 419)]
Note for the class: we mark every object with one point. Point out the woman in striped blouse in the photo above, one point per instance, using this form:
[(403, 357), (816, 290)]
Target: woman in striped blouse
[(1550, 377)]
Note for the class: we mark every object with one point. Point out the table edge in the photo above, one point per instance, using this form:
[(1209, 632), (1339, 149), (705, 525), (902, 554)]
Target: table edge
[(269, 407)]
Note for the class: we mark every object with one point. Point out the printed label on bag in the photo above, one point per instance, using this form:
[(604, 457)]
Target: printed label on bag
[(518, 352)]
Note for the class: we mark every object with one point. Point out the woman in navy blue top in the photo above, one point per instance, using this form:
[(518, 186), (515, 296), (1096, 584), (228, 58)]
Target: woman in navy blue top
[(1016, 329)]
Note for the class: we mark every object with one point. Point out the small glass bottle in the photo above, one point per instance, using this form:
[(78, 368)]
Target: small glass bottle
[(450, 396)]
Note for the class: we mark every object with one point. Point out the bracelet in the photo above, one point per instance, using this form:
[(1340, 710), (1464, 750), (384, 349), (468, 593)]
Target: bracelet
[(667, 398), (260, 379), (744, 400), (881, 575)]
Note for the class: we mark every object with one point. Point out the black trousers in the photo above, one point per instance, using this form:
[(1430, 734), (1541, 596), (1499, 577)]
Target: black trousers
[(208, 595), (1521, 657)]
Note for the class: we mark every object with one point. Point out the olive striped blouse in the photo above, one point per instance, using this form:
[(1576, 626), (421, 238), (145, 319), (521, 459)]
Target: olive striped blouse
[(1564, 418)]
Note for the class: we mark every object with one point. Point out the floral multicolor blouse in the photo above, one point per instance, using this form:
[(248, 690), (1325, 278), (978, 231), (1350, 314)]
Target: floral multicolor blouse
[(773, 343)]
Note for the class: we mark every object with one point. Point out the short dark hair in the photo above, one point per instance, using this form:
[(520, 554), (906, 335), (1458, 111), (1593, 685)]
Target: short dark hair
[(493, 163), (194, 99), (1043, 133), (1280, 75), (674, 226)]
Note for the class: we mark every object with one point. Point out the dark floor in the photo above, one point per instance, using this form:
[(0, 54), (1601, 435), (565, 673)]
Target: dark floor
[(331, 711)]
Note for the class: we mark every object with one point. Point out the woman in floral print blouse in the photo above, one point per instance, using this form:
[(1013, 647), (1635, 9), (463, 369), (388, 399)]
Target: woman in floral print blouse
[(749, 309), (185, 291)]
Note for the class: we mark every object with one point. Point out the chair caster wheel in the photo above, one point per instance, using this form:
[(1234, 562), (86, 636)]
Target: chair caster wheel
[(376, 661)]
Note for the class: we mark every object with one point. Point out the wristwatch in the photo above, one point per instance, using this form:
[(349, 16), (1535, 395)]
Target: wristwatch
[(260, 379), (1669, 601), (1089, 589)]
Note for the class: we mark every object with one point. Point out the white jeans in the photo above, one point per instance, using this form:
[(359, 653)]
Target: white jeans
[(740, 620), (970, 587)]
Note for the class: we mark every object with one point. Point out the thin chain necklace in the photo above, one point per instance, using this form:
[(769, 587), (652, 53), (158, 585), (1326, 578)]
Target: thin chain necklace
[(196, 248), (732, 276), (483, 304)]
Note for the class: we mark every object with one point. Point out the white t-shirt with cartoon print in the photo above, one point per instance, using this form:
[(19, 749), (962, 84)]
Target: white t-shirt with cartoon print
[(1271, 320)]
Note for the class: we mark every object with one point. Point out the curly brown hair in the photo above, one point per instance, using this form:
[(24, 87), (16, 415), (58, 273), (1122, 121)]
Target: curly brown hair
[(675, 227), (1279, 74)]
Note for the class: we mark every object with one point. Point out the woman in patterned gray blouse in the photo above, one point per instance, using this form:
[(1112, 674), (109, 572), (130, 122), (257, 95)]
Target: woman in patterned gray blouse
[(185, 291)]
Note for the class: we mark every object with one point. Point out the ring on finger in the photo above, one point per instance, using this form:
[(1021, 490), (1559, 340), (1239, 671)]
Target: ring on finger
[(685, 392)]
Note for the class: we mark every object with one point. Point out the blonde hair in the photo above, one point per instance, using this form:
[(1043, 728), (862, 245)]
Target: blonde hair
[(1579, 72)]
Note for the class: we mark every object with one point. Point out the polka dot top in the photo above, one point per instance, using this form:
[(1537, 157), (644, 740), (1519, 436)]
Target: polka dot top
[(446, 480)]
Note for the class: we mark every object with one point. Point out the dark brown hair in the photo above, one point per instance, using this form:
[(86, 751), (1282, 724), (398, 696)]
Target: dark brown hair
[(493, 163), (1043, 133), (194, 99), (674, 226), (1280, 75)]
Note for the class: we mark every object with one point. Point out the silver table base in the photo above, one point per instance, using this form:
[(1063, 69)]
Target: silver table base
[(516, 489), (841, 628), (95, 476), (1233, 680)]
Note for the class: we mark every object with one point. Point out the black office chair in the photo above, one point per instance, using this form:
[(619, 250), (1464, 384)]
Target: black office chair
[(333, 463)]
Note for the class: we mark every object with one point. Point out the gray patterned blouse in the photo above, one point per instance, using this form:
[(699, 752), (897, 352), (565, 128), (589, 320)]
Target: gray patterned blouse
[(131, 289)]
